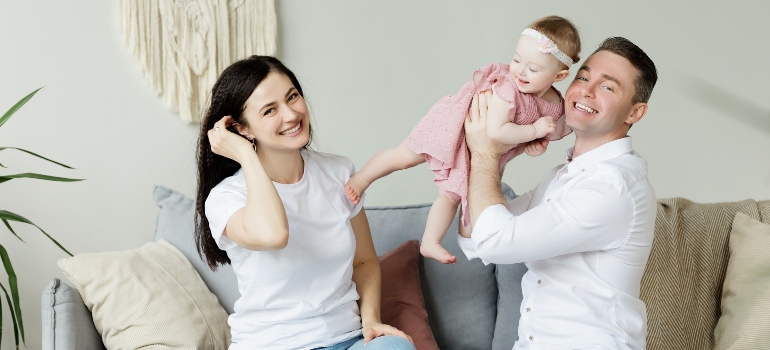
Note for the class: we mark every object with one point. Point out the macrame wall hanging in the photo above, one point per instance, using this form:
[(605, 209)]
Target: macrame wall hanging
[(181, 46)]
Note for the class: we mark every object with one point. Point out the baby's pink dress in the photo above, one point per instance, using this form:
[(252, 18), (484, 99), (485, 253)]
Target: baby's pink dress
[(440, 135)]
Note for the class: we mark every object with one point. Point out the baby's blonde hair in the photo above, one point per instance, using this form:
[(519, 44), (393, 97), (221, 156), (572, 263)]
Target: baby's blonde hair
[(563, 33)]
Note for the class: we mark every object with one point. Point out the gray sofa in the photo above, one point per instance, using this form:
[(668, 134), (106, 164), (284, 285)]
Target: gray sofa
[(470, 306)]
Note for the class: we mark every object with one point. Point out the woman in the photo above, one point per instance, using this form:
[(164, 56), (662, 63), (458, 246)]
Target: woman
[(303, 254)]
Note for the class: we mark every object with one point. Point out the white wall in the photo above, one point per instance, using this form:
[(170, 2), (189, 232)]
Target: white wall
[(370, 69)]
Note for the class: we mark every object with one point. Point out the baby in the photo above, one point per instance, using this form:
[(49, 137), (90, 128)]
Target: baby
[(544, 53)]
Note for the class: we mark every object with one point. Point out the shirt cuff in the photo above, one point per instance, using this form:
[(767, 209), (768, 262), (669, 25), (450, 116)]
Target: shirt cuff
[(489, 222), (466, 245)]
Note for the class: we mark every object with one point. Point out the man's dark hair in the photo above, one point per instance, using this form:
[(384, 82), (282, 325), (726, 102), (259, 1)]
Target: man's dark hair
[(648, 75)]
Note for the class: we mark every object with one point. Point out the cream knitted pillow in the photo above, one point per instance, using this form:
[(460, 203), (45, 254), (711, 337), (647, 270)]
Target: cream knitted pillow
[(745, 321), (148, 296)]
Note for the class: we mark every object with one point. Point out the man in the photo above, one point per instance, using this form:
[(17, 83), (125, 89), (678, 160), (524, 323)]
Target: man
[(586, 230)]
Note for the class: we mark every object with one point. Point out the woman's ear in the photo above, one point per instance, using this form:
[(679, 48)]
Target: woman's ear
[(244, 131)]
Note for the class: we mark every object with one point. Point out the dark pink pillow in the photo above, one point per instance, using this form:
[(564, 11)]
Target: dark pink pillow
[(403, 305)]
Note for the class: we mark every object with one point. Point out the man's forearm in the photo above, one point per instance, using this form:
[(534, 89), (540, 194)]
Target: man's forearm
[(484, 185)]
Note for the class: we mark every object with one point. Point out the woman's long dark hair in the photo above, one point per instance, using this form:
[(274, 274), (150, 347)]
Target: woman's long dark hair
[(228, 97)]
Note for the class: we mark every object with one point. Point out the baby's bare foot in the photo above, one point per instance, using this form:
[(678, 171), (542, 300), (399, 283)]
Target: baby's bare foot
[(354, 188), (437, 252)]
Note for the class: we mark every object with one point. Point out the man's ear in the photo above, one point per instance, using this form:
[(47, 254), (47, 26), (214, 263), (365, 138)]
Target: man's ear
[(637, 112), (561, 75)]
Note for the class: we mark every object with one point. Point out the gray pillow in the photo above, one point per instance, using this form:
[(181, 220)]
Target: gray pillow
[(509, 298), (461, 299), (67, 323), (508, 305), (175, 224)]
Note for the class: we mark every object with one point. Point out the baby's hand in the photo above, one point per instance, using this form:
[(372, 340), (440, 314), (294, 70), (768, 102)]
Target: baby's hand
[(544, 126), (536, 148)]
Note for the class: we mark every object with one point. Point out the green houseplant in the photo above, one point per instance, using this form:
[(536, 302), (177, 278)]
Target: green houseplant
[(12, 299)]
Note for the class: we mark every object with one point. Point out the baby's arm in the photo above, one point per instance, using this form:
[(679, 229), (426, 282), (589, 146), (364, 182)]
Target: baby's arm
[(382, 164), (509, 133), (502, 130)]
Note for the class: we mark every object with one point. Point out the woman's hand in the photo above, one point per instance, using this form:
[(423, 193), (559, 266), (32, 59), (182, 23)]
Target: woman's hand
[(226, 143), (476, 138), (374, 330)]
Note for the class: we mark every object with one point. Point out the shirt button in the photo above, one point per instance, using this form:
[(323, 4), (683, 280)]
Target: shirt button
[(531, 338), (528, 309), (539, 281)]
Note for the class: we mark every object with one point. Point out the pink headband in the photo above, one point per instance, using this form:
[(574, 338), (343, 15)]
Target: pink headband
[(548, 46)]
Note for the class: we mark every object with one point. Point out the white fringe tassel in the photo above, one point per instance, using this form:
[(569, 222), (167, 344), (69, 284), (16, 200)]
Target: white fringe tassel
[(181, 46)]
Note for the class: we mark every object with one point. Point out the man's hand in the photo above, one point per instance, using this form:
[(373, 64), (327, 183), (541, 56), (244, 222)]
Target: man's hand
[(476, 138)]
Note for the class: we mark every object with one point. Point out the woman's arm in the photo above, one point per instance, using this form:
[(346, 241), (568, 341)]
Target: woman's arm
[(262, 223), (366, 275)]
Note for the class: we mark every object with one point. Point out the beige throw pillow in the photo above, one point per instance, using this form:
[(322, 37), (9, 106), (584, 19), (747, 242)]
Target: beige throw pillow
[(148, 297), (745, 320)]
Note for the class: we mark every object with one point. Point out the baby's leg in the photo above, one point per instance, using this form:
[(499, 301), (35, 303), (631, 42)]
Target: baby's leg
[(440, 217), (382, 164)]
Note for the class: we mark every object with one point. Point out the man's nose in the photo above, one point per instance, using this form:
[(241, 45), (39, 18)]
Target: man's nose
[(588, 90)]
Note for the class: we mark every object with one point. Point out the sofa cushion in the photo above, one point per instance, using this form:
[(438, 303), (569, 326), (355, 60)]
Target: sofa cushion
[(148, 296), (403, 305), (682, 283), (175, 225), (745, 321), (67, 323)]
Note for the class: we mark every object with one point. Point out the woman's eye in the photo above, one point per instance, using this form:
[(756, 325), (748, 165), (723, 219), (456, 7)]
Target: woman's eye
[(293, 96), (269, 111)]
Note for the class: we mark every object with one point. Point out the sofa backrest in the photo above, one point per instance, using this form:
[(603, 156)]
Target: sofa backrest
[(462, 299)]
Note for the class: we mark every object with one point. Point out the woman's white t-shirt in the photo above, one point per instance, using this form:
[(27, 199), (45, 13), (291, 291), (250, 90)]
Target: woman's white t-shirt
[(302, 296)]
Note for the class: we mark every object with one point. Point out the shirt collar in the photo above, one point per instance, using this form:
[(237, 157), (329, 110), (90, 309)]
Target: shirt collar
[(599, 154)]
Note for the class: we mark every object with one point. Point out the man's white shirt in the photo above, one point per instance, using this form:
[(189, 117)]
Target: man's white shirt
[(585, 233)]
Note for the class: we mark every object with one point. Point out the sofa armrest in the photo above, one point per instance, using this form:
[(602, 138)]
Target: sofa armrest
[(67, 322)]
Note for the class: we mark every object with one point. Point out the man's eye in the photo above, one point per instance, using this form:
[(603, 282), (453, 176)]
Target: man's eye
[(608, 88), (581, 78)]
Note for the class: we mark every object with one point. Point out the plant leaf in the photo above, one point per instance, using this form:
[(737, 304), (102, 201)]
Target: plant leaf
[(16, 312), (12, 231), (1, 319), (13, 316), (4, 178), (16, 107), (7, 215), (36, 155)]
